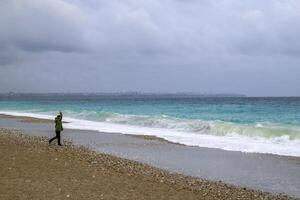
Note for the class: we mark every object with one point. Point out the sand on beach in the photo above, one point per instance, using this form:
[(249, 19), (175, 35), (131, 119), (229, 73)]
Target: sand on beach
[(31, 169)]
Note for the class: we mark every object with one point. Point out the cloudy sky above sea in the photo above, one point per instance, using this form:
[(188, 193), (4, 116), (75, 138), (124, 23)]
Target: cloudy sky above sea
[(248, 47)]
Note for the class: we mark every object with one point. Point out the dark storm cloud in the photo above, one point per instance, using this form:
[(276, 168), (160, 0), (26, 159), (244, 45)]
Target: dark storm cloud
[(6, 57), (40, 26), (152, 27), (152, 45)]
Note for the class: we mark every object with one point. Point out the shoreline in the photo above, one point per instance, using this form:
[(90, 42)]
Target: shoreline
[(94, 164), (35, 120), (26, 119), (260, 172)]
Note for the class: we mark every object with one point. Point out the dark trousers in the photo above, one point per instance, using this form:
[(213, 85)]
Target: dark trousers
[(56, 137)]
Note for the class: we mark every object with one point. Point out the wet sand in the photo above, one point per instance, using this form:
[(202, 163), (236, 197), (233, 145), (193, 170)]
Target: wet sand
[(26, 119), (259, 171)]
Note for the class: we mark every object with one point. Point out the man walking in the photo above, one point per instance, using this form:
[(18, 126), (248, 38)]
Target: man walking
[(58, 128)]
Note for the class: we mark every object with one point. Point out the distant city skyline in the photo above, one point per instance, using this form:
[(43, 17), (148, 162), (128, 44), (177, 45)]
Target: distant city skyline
[(207, 47)]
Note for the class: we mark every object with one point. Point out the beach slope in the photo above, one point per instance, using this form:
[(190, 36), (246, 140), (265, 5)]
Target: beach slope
[(31, 169)]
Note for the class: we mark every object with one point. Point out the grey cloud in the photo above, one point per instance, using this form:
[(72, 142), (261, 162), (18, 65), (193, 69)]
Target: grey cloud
[(152, 45), (6, 59), (41, 26), (153, 26)]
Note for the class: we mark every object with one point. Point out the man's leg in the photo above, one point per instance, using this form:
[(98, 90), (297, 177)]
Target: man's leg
[(52, 139), (58, 137)]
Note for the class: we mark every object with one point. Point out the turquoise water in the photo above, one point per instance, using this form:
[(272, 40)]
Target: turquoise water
[(236, 110), (263, 120)]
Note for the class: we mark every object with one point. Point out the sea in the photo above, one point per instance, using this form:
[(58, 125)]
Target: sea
[(247, 124)]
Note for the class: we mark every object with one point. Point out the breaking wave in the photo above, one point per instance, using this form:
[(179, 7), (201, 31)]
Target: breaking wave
[(262, 137)]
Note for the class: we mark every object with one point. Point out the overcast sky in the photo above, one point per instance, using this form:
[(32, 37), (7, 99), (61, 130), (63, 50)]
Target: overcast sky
[(249, 47)]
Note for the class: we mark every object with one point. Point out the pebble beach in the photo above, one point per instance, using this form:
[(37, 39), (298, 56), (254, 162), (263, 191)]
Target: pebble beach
[(31, 169)]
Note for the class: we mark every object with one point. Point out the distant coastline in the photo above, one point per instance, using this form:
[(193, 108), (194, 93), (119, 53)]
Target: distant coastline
[(13, 95)]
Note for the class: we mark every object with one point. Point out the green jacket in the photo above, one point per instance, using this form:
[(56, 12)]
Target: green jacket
[(58, 124)]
